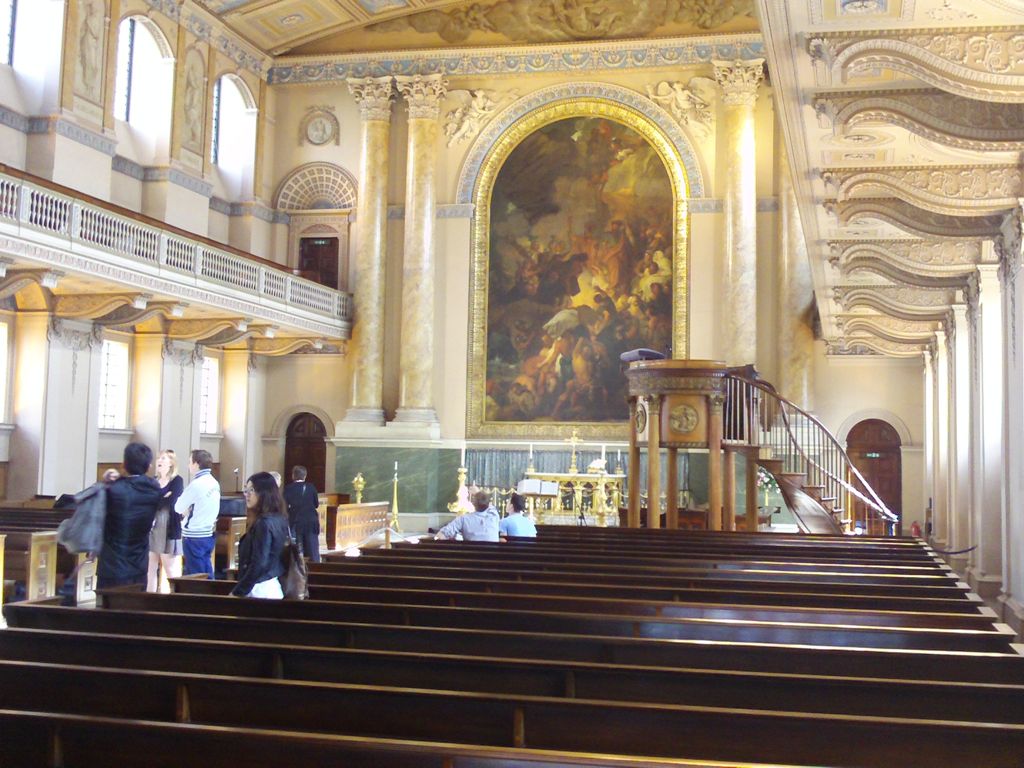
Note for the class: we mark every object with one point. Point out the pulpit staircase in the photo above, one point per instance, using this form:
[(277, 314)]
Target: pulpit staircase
[(821, 486)]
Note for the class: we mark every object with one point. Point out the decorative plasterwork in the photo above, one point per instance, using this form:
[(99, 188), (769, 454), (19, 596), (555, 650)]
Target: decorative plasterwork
[(952, 190), (474, 109), (691, 104), (574, 92), (92, 305), (859, 265), (277, 347), (195, 330), (894, 329), (182, 354), (872, 345), (942, 117), (739, 80), (63, 334), (930, 256), (1010, 240), (373, 95), (317, 186), (897, 301), (423, 94), (912, 219), (984, 64), (574, 57)]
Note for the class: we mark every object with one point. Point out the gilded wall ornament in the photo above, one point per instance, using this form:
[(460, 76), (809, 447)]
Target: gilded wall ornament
[(683, 419), (549, 21)]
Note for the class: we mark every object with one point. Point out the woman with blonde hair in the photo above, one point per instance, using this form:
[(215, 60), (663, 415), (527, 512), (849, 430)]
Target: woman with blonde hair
[(165, 548)]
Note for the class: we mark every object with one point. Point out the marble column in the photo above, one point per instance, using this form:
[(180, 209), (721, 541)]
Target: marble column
[(940, 493), (929, 443), (416, 393), (985, 573), (794, 292), (739, 81), (960, 450), (1010, 252), (373, 94), (654, 462)]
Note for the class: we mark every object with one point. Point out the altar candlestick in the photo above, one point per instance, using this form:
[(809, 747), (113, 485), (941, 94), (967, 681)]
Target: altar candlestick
[(396, 467)]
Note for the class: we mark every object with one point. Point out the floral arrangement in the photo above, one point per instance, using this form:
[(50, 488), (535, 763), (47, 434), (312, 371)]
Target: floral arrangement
[(766, 481)]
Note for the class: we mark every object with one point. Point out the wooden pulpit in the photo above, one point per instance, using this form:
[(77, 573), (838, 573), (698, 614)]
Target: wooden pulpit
[(674, 404)]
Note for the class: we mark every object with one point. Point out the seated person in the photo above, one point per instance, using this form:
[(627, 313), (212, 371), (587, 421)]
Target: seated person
[(517, 523), (479, 525)]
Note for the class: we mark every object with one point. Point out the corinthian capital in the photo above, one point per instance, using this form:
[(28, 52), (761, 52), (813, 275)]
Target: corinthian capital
[(424, 94), (373, 94), (739, 80)]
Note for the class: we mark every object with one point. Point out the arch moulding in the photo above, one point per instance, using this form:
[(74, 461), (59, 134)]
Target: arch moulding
[(881, 414), (284, 418)]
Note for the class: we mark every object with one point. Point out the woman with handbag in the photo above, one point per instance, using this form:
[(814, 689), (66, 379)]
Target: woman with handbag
[(260, 561), (165, 548)]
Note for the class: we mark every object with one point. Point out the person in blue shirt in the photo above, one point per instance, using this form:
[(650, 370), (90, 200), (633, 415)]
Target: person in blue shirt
[(517, 523)]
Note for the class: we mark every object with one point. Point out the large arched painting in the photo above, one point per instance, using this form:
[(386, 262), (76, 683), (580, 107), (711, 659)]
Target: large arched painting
[(579, 269)]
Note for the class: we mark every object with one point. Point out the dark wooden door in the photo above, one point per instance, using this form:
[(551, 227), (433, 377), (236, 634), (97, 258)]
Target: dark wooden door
[(305, 444), (318, 260), (874, 449)]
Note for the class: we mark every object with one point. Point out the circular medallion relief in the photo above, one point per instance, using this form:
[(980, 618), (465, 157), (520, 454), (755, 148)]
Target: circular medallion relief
[(641, 419), (319, 130), (683, 418)]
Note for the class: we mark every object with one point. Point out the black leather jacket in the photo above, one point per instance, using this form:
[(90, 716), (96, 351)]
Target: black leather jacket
[(259, 553)]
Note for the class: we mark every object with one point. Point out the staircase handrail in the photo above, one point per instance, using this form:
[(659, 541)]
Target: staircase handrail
[(875, 503)]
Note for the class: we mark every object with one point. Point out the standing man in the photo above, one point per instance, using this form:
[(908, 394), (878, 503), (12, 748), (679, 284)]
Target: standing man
[(481, 525), (199, 505), (302, 501)]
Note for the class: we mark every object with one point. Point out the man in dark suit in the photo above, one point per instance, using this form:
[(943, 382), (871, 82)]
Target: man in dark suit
[(301, 498)]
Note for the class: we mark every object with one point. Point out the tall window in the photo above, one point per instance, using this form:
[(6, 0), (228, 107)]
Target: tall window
[(8, 15), (209, 395), (143, 86), (233, 123), (114, 373)]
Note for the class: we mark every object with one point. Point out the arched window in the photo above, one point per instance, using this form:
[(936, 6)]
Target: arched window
[(8, 18), (233, 125), (143, 88)]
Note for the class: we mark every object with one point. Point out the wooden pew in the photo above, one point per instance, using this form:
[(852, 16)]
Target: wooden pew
[(973, 667), (835, 694), (357, 571), (79, 565), (36, 738), (338, 590), (347, 525), (229, 531), (511, 720), (996, 640)]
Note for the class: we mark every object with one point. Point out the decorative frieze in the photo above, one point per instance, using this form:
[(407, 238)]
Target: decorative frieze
[(935, 255)]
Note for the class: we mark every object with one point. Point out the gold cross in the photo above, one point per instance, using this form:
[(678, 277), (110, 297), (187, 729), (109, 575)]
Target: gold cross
[(573, 441)]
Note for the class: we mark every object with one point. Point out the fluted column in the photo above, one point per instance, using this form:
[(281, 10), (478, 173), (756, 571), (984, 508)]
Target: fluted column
[(416, 356), (373, 95), (929, 443), (985, 573), (794, 293), (960, 450), (739, 80), (940, 493)]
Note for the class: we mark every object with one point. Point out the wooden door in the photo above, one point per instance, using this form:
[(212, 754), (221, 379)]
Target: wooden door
[(874, 449), (318, 260), (305, 444)]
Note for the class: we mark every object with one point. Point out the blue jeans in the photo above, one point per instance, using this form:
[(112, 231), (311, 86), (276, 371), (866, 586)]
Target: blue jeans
[(198, 553)]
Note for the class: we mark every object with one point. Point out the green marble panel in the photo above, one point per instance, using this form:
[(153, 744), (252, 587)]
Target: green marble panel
[(427, 477)]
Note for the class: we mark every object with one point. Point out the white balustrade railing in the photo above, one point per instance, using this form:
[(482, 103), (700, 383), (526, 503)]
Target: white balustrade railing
[(44, 210)]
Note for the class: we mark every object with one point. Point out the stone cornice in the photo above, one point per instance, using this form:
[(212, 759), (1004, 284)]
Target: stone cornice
[(913, 219), (518, 60)]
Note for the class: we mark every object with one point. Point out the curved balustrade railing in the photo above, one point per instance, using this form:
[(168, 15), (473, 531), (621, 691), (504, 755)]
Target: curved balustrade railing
[(44, 210), (756, 415)]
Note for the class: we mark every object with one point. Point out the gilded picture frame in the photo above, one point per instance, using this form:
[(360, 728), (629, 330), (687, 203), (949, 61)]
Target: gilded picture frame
[(477, 424)]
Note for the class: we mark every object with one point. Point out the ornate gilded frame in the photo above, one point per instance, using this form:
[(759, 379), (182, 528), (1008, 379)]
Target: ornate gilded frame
[(476, 426)]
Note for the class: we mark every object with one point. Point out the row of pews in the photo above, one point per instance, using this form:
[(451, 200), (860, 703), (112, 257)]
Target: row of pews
[(584, 647)]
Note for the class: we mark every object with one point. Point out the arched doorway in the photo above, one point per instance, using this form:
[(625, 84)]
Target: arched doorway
[(874, 448), (305, 444)]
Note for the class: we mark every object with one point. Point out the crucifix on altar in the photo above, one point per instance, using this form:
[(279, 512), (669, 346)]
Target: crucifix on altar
[(573, 441)]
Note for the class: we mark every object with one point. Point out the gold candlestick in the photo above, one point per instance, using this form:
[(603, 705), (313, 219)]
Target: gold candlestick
[(358, 483)]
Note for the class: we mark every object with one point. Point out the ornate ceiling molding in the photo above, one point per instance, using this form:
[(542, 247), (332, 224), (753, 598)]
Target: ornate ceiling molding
[(856, 265), (278, 347), (984, 63), (913, 219), (892, 329), (197, 330), (94, 305), (953, 121), (872, 345), (935, 257), (952, 190), (903, 302)]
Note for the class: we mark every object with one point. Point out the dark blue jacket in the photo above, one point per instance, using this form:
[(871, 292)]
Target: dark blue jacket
[(131, 506), (259, 552), (302, 501)]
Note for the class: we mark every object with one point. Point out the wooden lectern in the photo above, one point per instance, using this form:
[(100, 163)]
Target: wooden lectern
[(674, 404)]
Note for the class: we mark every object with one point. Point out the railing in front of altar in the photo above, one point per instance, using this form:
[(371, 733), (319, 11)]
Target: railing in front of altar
[(38, 208), (756, 415)]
